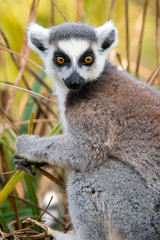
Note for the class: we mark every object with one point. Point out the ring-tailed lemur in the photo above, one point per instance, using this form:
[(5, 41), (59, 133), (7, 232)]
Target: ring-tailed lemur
[(111, 139)]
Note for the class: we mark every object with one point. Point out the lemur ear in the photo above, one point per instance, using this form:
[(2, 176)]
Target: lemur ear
[(107, 36), (38, 38)]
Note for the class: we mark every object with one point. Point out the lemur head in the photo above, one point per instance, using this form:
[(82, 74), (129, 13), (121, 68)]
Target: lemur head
[(73, 53)]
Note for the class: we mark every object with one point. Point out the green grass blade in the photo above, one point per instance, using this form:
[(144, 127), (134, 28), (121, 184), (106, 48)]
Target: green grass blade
[(8, 188), (28, 179), (30, 128), (7, 145), (32, 194), (56, 130), (4, 225)]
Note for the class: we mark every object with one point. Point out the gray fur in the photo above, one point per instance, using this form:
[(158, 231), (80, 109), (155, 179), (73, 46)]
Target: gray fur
[(113, 194), (112, 146), (69, 30)]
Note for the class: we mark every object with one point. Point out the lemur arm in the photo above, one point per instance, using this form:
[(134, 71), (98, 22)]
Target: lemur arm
[(62, 150)]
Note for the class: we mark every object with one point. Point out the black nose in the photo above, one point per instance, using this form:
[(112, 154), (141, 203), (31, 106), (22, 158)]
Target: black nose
[(74, 81)]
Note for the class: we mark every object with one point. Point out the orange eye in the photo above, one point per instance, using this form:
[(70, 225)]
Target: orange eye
[(60, 60), (88, 59)]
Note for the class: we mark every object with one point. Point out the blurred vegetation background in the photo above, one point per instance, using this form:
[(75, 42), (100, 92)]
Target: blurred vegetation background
[(22, 76)]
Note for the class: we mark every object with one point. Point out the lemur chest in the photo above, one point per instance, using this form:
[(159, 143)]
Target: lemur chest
[(77, 107)]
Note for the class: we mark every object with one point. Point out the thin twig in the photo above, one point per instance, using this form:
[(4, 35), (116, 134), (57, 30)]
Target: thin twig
[(7, 118), (79, 9), (22, 56), (52, 15), (111, 9), (49, 109), (157, 30), (118, 55), (34, 205), (38, 78), (154, 75), (127, 35), (24, 51), (60, 11), (45, 209), (51, 177), (27, 121), (36, 101), (27, 91), (26, 83), (35, 121), (141, 37), (2, 234), (7, 44), (157, 36), (6, 173)]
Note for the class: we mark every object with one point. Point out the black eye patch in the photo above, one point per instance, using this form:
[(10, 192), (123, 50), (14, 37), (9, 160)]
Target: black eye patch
[(61, 55), (88, 54)]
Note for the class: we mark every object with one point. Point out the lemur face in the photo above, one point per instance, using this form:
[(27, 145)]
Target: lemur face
[(73, 53)]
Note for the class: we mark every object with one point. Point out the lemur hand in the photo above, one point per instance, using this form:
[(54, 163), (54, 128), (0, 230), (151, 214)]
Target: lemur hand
[(25, 156)]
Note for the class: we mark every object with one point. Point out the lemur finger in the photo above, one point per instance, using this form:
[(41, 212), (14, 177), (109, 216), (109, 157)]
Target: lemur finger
[(17, 156), (25, 169), (41, 164), (21, 160)]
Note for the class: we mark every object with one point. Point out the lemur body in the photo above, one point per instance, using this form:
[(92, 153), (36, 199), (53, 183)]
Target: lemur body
[(111, 139)]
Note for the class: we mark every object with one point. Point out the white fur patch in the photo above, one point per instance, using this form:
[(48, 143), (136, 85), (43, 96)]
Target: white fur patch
[(41, 34), (102, 33), (74, 48)]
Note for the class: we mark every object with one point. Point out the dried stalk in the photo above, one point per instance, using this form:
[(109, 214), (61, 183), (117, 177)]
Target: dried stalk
[(141, 37), (9, 121), (7, 43), (52, 15), (38, 78), (45, 209), (127, 35), (22, 56), (25, 51), (118, 55), (2, 234), (79, 9), (43, 120), (154, 75), (111, 9), (157, 36), (27, 91), (36, 206), (60, 11), (25, 82), (51, 177)]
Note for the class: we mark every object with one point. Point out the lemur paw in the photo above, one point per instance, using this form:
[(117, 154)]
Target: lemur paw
[(23, 164), (27, 155), (25, 144)]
